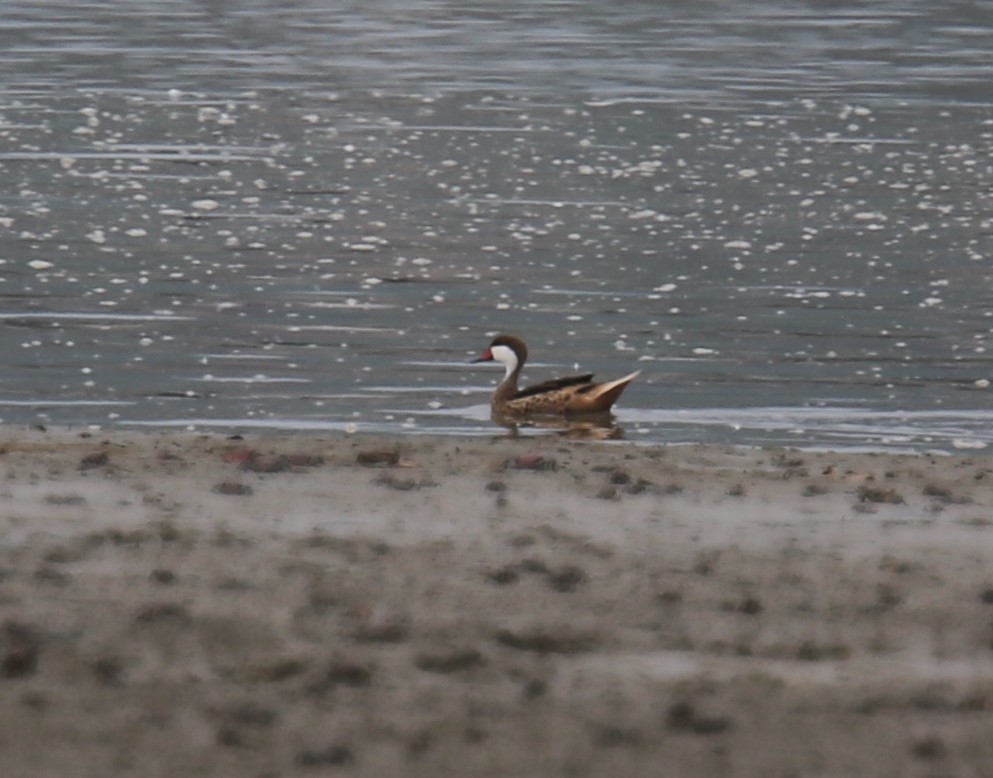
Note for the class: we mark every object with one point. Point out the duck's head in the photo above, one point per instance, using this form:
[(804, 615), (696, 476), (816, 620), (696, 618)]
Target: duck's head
[(508, 350)]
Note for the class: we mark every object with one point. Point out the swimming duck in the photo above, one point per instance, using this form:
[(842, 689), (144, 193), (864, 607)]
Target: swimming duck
[(572, 395)]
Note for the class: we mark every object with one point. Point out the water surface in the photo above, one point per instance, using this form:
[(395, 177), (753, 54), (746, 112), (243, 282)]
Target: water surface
[(244, 215)]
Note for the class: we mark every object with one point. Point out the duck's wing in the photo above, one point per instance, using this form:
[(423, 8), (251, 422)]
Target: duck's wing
[(555, 384)]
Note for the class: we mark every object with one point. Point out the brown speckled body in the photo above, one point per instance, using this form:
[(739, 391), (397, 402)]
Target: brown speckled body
[(573, 395)]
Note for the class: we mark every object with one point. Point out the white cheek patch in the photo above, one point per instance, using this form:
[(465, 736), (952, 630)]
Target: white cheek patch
[(505, 356)]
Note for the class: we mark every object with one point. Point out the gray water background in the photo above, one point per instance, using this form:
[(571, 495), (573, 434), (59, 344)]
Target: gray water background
[(310, 215)]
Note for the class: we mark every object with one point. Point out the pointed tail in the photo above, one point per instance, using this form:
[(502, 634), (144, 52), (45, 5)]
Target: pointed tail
[(605, 395)]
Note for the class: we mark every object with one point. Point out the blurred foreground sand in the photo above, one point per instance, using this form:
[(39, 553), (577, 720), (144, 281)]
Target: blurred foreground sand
[(172, 604)]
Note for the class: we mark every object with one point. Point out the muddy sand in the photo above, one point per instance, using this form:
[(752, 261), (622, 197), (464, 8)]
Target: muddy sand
[(174, 604)]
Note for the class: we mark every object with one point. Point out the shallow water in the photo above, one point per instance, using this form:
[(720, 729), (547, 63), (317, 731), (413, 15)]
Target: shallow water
[(236, 217)]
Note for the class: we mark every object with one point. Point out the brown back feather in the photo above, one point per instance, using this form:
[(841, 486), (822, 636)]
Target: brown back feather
[(555, 383)]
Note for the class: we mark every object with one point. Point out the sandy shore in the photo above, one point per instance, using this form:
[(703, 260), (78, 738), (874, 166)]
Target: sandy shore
[(172, 604)]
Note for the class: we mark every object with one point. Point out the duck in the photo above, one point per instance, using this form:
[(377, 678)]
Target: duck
[(569, 396)]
